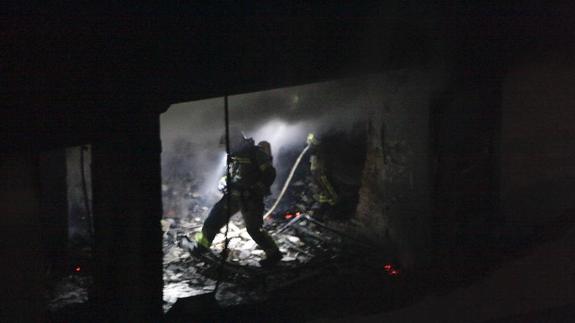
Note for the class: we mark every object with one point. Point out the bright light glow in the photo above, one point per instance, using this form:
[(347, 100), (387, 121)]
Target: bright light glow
[(295, 100), (77, 269), (210, 186), (280, 134)]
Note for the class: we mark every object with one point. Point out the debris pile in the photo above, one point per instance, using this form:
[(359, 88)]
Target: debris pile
[(300, 225), (72, 289), (309, 247)]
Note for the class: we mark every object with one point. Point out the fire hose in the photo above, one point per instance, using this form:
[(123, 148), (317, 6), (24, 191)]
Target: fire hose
[(288, 181), (286, 184)]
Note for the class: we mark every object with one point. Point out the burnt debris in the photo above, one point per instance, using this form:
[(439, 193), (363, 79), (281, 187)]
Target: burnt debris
[(310, 247)]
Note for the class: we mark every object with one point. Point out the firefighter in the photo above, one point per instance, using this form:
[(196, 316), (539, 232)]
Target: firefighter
[(251, 175), (323, 191)]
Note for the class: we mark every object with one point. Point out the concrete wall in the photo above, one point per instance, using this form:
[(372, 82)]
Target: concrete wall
[(127, 212), (395, 205), (22, 288), (54, 209), (538, 140)]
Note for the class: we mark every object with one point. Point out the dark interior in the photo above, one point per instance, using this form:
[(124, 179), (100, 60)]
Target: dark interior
[(481, 99)]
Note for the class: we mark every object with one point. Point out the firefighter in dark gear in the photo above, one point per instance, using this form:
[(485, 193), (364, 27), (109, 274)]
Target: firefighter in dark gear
[(251, 175), (324, 193)]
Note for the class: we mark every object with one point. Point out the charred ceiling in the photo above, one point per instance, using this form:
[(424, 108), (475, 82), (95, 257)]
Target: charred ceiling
[(73, 71), (87, 64)]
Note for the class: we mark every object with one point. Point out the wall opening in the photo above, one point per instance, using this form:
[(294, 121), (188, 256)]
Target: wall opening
[(67, 224), (349, 202)]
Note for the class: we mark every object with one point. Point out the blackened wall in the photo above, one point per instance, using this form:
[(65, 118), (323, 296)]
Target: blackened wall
[(537, 140), (22, 262), (53, 211), (127, 208)]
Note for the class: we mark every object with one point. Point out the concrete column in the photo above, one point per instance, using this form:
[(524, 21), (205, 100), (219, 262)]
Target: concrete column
[(127, 213), (53, 209), (22, 263)]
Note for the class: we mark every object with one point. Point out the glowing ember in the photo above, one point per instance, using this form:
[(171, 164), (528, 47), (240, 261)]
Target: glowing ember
[(390, 270)]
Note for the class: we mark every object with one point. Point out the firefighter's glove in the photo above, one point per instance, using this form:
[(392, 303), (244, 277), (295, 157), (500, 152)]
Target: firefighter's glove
[(223, 185)]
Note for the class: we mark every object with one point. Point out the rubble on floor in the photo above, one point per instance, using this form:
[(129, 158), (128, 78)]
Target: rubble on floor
[(72, 289), (307, 244), (299, 225)]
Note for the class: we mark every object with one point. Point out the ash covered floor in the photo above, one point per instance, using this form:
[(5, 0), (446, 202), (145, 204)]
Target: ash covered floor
[(69, 290), (318, 241), (311, 248)]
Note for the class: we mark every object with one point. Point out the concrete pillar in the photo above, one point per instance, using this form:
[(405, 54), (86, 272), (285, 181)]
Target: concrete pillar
[(53, 209), (22, 266), (127, 212)]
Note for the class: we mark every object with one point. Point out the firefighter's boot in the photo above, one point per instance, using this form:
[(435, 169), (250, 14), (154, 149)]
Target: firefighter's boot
[(200, 245), (272, 258)]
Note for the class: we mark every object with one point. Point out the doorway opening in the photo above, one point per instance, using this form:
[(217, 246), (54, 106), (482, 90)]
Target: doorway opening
[(342, 162), (67, 224)]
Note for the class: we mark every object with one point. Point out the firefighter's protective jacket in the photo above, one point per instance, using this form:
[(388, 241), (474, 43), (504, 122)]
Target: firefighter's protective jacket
[(251, 170), (326, 193)]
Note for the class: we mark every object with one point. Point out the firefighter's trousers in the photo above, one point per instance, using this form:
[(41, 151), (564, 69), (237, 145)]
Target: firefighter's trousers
[(252, 208)]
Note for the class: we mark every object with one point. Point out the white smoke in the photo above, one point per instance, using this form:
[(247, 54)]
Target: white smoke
[(283, 117), (209, 187), (281, 134)]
